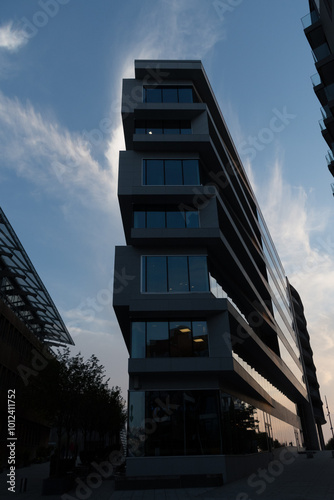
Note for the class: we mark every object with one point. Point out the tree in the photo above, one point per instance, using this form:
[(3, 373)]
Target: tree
[(72, 395)]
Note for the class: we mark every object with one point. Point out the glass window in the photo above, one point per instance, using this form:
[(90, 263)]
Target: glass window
[(154, 173), (155, 219), (185, 127), (200, 338), (140, 127), (156, 274), (185, 94), (153, 95), (154, 127), (157, 343), (139, 219), (136, 435), (173, 172), (138, 339), (198, 272), (191, 172), (171, 127), (180, 339), (175, 219), (178, 274), (169, 94), (192, 218)]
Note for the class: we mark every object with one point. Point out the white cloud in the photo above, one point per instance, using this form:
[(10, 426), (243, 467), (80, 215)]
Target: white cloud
[(59, 161), (306, 248), (12, 39)]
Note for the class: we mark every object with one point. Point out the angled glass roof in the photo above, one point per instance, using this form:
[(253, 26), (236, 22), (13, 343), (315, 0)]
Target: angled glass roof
[(23, 292)]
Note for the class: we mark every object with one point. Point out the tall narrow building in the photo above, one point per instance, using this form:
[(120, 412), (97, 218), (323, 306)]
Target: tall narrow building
[(216, 377), (319, 30)]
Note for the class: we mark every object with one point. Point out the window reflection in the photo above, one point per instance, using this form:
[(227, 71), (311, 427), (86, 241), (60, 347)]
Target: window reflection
[(171, 172), (170, 94), (170, 219), (175, 274), (159, 339), (153, 127)]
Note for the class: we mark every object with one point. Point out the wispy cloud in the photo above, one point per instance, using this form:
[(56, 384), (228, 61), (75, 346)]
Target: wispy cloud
[(49, 155), (11, 38), (307, 253)]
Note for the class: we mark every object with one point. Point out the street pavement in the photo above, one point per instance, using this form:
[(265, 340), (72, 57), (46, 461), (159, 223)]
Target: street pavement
[(301, 479)]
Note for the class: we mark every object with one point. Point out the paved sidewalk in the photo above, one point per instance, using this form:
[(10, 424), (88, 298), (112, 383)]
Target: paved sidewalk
[(302, 479)]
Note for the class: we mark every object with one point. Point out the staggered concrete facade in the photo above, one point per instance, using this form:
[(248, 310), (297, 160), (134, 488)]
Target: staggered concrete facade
[(216, 377), (319, 31)]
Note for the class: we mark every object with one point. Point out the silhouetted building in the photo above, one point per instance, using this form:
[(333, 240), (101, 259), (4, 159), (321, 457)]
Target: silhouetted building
[(29, 323), (215, 373), (319, 31)]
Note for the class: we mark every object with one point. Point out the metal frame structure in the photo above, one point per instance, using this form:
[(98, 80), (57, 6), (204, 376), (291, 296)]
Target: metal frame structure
[(22, 290)]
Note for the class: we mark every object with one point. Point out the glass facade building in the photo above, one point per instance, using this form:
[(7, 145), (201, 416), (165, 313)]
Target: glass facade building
[(215, 361)]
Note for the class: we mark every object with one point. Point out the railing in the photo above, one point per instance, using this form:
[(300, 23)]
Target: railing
[(316, 80), (329, 91), (310, 18), (319, 53), (329, 157)]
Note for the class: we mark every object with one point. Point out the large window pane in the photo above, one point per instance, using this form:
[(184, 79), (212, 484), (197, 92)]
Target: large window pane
[(156, 274), (180, 339), (154, 173), (155, 219), (175, 219), (138, 339), (139, 219), (191, 172), (173, 172), (157, 343), (198, 271), (178, 274), (200, 338), (192, 218), (153, 95), (169, 94), (185, 94), (136, 436)]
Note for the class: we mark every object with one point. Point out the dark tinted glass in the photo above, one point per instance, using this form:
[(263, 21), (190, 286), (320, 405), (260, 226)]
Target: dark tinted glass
[(140, 127), (139, 219), (198, 272), (155, 219), (153, 95), (191, 172), (180, 339), (185, 127), (157, 344), (156, 274), (185, 95), (200, 338), (171, 127), (154, 127), (154, 172), (169, 94), (173, 172), (138, 339), (192, 219), (175, 219), (178, 274)]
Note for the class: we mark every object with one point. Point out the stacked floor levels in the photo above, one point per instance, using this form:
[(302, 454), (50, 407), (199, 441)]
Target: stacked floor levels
[(215, 377)]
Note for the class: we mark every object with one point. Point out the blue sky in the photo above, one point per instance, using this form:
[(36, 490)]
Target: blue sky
[(61, 66)]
